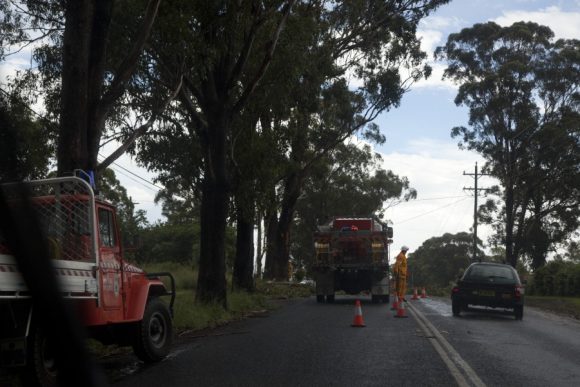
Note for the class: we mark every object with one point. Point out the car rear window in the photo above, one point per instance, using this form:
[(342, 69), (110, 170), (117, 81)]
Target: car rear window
[(498, 273)]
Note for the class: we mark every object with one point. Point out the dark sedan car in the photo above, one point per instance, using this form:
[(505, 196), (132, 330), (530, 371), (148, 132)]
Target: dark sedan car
[(489, 284)]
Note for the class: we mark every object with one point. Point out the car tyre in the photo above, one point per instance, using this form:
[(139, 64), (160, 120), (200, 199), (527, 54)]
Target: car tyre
[(456, 308), (375, 298), (330, 298), (320, 298), (154, 333), (519, 312)]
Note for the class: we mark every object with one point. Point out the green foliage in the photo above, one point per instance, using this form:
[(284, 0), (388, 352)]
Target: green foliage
[(185, 276), (348, 182), (25, 142), (130, 222), (169, 242), (521, 88), (190, 315), (573, 251), (440, 260), (177, 243), (556, 278)]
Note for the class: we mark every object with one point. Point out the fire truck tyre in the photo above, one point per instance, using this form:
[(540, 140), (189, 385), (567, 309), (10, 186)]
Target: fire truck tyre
[(320, 298), (330, 298), (154, 332), (41, 370)]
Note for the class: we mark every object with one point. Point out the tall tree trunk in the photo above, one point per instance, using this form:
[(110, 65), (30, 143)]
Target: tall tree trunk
[(72, 142), (279, 244), (271, 223), (211, 284), (84, 55), (520, 228), (84, 105), (509, 225), (281, 248), (539, 239), (243, 277), (259, 247)]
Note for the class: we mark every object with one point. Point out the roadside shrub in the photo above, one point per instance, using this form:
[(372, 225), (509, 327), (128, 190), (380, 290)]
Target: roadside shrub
[(557, 278)]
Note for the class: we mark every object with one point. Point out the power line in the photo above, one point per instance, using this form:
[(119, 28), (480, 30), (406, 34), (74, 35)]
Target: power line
[(125, 169), (429, 212), (133, 179), (134, 174), (137, 176), (435, 198)]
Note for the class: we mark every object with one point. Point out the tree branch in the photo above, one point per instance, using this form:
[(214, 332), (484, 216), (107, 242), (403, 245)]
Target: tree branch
[(141, 130), (128, 65), (265, 62)]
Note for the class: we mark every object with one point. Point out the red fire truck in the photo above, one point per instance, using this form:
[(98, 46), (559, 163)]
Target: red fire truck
[(352, 256), (117, 302)]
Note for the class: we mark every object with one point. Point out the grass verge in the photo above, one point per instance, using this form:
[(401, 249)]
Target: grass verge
[(191, 316), (566, 306)]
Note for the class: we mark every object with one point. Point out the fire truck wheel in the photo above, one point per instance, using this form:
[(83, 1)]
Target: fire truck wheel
[(41, 370), (154, 332)]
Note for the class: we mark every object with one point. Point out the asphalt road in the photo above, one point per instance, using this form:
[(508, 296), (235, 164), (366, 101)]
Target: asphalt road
[(309, 344)]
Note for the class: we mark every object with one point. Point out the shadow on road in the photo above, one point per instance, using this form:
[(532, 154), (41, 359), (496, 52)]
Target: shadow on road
[(488, 314)]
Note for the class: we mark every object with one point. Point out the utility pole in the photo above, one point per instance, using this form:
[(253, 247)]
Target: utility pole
[(476, 191)]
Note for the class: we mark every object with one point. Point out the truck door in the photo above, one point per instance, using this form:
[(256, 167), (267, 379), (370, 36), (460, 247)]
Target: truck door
[(110, 262)]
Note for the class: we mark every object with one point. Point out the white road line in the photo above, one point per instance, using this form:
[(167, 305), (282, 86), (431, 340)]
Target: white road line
[(450, 357)]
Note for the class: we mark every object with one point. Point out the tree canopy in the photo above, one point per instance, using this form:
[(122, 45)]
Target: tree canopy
[(349, 182), (440, 260), (236, 104), (521, 88)]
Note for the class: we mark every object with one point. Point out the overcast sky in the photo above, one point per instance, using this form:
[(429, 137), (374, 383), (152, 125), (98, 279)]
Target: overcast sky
[(418, 144)]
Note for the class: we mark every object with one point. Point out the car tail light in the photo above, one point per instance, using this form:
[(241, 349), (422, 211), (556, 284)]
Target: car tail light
[(519, 291), (455, 289)]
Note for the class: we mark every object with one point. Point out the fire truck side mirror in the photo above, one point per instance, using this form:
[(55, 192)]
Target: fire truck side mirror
[(389, 232)]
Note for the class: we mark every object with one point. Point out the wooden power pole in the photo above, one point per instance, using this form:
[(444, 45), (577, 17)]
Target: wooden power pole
[(476, 190)]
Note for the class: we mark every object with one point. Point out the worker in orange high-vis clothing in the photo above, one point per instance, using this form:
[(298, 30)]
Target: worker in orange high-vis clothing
[(400, 271)]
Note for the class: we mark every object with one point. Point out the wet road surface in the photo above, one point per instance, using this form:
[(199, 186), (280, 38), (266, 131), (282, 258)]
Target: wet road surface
[(310, 344)]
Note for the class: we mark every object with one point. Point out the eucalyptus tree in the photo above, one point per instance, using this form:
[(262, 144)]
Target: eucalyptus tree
[(349, 181), (86, 53), (223, 50), (440, 260), (366, 56), (25, 141), (521, 88)]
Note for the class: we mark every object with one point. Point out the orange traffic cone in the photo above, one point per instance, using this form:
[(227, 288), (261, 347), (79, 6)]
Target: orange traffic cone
[(395, 305), (401, 310), (415, 295), (358, 319), (423, 293)]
